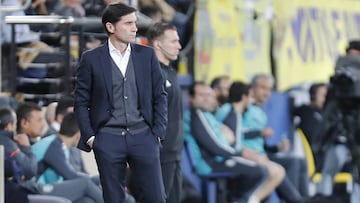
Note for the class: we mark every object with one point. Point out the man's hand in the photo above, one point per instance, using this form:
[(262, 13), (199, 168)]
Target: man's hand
[(22, 140), (90, 141), (284, 145), (267, 132)]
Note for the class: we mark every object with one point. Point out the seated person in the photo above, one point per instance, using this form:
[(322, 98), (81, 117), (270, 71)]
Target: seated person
[(255, 119), (215, 152), (231, 115), (52, 153), (311, 114), (18, 149)]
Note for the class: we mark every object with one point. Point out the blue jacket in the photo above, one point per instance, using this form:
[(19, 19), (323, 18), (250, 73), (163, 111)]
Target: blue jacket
[(93, 91)]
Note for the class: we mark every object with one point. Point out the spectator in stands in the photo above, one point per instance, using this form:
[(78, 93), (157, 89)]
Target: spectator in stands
[(22, 31), (164, 39), (24, 37), (311, 114), (37, 7), (30, 121), (23, 169), (256, 119), (212, 142), (221, 86), (181, 19), (72, 8)]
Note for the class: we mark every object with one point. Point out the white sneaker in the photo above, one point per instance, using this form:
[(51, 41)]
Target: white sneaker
[(253, 199)]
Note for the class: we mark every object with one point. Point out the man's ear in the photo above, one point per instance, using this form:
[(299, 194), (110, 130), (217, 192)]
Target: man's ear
[(23, 122), (156, 44), (110, 27)]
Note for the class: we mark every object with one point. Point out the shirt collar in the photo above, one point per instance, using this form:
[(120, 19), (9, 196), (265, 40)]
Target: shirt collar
[(113, 49)]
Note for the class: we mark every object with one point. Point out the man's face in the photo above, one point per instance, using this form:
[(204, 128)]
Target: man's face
[(123, 31), (320, 96), (34, 125), (204, 98), (222, 91), (262, 90), (169, 45), (248, 99)]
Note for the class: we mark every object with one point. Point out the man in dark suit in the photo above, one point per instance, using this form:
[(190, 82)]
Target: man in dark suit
[(121, 106)]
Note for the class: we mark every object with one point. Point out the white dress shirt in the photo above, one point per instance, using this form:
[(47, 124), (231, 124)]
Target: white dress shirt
[(120, 60)]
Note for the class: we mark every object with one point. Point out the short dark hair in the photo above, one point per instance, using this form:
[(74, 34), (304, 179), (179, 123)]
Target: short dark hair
[(354, 44), (6, 117), (24, 110), (69, 126), (192, 87), (313, 89), (63, 104), (157, 30), (237, 90), (215, 83), (114, 12)]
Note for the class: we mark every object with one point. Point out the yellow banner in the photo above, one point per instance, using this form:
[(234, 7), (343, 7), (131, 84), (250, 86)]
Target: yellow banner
[(255, 36), (217, 41), (310, 35)]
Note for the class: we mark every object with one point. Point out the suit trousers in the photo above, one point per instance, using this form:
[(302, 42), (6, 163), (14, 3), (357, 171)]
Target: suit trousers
[(142, 152)]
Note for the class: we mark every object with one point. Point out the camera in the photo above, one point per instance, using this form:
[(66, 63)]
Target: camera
[(346, 82)]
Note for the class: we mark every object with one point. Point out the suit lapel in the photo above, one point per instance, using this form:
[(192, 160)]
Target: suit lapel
[(107, 70)]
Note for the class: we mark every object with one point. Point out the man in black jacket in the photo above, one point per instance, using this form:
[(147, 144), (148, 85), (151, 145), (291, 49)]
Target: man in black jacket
[(165, 41)]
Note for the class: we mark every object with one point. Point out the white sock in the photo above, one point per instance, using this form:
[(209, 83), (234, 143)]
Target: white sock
[(253, 199)]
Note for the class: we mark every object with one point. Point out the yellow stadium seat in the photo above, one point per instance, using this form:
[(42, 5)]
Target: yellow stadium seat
[(315, 177)]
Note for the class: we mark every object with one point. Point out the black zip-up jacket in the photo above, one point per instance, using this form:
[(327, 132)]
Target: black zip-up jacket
[(174, 140)]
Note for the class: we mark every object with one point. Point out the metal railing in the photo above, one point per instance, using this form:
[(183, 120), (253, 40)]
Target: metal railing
[(43, 19), (10, 9)]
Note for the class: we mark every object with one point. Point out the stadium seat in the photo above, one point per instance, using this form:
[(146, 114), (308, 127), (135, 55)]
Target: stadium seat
[(212, 187)]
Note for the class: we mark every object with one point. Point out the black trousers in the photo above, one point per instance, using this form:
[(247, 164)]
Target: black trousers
[(172, 176), (141, 151)]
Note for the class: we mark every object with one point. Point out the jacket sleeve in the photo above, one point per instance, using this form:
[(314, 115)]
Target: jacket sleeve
[(206, 138), (82, 102), (159, 99), (55, 159), (26, 158)]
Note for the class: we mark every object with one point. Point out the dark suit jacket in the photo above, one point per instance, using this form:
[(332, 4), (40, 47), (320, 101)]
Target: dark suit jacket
[(93, 92)]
